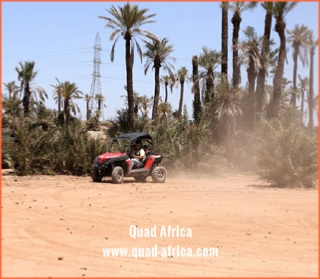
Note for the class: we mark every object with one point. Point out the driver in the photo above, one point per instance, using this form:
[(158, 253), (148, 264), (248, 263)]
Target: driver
[(138, 154)]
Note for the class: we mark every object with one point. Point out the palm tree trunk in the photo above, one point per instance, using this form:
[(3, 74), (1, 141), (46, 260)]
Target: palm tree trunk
[(156, 91), (66, 112), (88, 113), (295, 70), (310, 99), (275, 106), (136, 101), (181, 97), (260, 91), (196, 90), (59, 103), (251, 102), (302, 102), (166, 89), (209, 87), (236, 20), (129, 81), (224, 38), (26, 100), (211, 91)]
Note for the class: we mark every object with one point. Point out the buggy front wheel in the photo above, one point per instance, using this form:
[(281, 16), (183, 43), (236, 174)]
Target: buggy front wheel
[(117, 175), (96, 177), (159, 174)]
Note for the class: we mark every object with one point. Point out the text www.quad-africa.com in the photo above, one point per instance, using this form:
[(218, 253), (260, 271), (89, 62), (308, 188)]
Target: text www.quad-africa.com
[(155, 251)]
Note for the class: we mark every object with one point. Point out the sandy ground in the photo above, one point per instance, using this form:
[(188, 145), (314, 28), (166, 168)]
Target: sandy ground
[(58, 226)]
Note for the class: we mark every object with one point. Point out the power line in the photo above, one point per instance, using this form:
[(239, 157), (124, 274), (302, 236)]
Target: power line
[(51, 37), (53, 51), (65, 77), (41, 56), (57, 66)]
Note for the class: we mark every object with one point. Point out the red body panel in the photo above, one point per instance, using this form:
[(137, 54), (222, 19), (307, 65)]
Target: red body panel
[(109, 155), (150, 161), (129, 162)]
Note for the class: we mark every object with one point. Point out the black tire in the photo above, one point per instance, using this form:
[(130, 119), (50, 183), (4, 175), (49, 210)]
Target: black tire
[(159, 174), (117, 175), (95, 175), (140, 178)]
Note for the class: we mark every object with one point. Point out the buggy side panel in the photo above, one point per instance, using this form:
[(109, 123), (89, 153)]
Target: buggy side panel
[(128, 163), (156, 158)]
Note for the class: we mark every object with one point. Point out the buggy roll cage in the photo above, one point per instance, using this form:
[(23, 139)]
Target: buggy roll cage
[(132, 137)]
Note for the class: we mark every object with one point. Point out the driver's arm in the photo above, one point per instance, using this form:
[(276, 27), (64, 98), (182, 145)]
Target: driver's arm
[(141, 155), (137, 157)]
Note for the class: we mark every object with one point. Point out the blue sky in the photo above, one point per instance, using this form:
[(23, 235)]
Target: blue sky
[(59, 37)]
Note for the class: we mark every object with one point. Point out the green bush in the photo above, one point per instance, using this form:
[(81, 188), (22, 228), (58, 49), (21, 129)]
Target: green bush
[(187, 147), (30, 149), (27, 145), (287, 153), (75, 150)]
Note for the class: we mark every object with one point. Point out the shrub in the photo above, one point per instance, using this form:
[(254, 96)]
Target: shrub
[(30, 149), (287, 153), (28, 145), (75, 150), (187, 146)]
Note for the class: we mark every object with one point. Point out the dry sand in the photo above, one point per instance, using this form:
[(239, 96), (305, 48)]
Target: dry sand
[(58, 226)]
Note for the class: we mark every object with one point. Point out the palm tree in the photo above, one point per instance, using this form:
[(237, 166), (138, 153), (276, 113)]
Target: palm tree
[(100, 99), (224, 37), (173, 82), (126, 22), (251, 58), (226, 108), (145, 103), (12, 89), (87, 99), (208, 60), (265, 58), (280, 10), (136, 101), (228, 104), (196, 89), (238, 8), (26, 75), (58, 94), (312, 44), (182, 77), (273, 56), (165, 111), (167, 81), (303, 86), (298, 37), (314, 106), (70, 92), (11, 106), (158, 55)]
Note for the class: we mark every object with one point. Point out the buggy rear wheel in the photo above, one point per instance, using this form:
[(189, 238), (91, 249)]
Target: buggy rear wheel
[(117, 175), (159, 174)]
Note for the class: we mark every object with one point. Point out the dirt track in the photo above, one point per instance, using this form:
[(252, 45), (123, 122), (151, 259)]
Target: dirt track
[(58, 225)]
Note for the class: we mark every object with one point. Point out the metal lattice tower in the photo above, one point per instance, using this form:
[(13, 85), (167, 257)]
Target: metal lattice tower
[(95, 85)]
